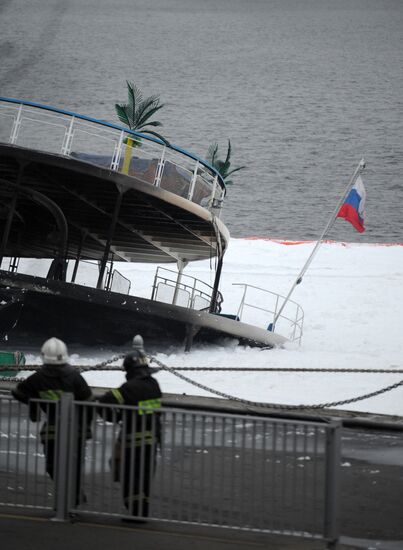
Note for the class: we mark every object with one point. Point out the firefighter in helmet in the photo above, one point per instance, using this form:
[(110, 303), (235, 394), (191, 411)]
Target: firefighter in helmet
[(134, 455), (48, 383)]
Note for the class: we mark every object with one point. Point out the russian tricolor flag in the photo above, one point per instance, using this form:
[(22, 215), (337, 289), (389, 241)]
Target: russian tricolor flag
[(353, 208)]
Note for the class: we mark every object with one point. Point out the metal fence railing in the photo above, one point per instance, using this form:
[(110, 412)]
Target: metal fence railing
[(224, 470), (111, 146), (261, 306), (23, 479), (173, 287), (119, 283)]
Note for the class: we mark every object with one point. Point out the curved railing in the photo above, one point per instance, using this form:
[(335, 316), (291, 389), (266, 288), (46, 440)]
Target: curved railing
[(111, 146), (178, 289), (260, 306)]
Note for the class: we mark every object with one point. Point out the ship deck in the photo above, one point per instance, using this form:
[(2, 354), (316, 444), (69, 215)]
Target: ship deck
[(76, 189)]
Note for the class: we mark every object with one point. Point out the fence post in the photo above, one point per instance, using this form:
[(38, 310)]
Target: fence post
[(68, 136), (62, 457), (193, 181), (332, 483), (117, 152), (16, 126), (160, 168)]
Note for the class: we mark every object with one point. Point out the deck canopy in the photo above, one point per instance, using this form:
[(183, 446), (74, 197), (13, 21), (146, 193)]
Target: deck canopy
[(50, 203)]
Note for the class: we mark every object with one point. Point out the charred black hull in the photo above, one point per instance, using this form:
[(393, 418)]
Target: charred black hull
[(34, 309)]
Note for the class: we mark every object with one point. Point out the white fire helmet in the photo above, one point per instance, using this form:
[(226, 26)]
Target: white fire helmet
[(138, 343), (54, 352)]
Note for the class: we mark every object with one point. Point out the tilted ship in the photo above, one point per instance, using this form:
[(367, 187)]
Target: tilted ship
[(82, 195)]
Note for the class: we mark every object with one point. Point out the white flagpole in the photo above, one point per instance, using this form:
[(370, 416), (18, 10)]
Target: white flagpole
[(360, 168)]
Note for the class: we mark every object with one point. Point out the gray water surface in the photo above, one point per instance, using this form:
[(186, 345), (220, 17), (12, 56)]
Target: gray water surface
[(303, 88)]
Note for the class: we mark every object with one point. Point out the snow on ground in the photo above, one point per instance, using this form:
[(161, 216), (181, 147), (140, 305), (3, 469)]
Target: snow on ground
[(352, 296)]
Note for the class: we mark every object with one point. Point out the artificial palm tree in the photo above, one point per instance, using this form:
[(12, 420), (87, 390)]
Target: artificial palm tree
[(222, 166), (136, 113)]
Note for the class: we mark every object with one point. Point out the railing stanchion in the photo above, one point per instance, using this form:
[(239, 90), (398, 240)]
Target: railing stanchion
[(193, 182), (154, 291), (62, 457), (332, 483), (192, 296), (68, 137), (16, 126), (117, 153), (212, 196), (240, 309), (181, 266), (160, 169)]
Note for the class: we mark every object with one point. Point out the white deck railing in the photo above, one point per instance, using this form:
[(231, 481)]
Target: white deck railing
[(259, 306), (169, 286), (175, 288), (108, 145)]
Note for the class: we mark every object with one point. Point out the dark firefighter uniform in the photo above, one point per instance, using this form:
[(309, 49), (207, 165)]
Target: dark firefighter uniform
[(135, 451), (49, 383)]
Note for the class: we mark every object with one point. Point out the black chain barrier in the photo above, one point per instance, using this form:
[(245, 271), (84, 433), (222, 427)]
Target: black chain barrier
[(274, 405), (100, 366), (174, 371)]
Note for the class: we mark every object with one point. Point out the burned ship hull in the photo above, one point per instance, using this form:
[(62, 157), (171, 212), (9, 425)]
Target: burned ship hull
[(32, 308), (75, 189)]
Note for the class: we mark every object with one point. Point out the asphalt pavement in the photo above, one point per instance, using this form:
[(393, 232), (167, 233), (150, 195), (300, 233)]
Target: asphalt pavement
[(38, 533)]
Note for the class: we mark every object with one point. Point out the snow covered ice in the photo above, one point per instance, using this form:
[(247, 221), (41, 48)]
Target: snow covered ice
[(352, 296)]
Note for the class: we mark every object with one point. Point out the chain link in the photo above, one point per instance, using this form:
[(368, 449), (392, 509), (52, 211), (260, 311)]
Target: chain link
[(174, 371), (10, 379), (289, 369), (100, 366), (273, 405), (108, 361)]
